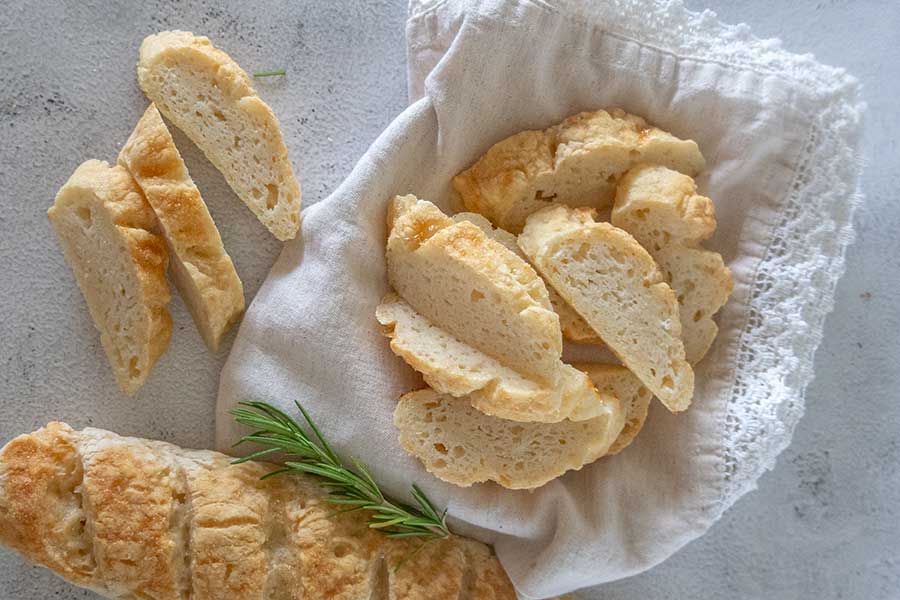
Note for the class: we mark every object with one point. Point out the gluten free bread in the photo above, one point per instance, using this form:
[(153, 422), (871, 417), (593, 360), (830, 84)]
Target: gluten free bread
[(476, 320), (104, 226), (611, 280), (132, 518), (209, 97), (201, 268), (577, 163), (662, 210)]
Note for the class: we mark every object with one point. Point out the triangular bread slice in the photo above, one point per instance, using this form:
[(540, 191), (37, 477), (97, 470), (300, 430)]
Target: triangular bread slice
[(201, 268), (104, 226), (462, 445), (662, 210), (605, 275), (573, 326), (211, 99), (621, 383), (576, 163)]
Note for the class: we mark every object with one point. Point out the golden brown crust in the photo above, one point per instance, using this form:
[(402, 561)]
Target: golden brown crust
[(201, 268), (167, 523)]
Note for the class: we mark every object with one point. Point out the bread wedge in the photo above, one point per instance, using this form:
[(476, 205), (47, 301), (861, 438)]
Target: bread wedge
[(662, 210), (462, 445), (201, 268), (605, 275), (621, 383), (104, 226), (131, 518), (208, 96), (572, 325), (576, 163)]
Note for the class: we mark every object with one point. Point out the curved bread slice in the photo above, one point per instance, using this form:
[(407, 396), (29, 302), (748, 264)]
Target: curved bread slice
[(201, 268), (104, 227), (209, 97), (604, 274), (474, 288), (463, 446), (573, 326), (576, 163), (132, 518), (662, 210), (453, 367), (621, 383)]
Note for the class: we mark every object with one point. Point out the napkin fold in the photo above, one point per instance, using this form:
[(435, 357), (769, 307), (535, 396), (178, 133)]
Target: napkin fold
[(779, 132)]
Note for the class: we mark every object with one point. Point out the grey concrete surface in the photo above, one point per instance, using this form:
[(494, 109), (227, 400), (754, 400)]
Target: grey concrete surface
[(823, 524)]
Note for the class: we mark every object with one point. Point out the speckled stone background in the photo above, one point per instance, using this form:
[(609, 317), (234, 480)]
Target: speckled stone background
[(824, 524)]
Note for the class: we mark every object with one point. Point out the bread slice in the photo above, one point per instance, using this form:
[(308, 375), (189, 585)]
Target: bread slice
[(576, 163), (201, 268), (104, 227), (662, 210), (572, 325), (605, 275), (209, 97), (463, 446), (621, 383), (456, 368)]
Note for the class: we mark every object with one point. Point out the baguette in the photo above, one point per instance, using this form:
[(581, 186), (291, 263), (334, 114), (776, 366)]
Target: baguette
[(208, 96), (131, 518), (576, 163), (104, 226), (605, 275), (468, 300), (664, 213), (201, 268)]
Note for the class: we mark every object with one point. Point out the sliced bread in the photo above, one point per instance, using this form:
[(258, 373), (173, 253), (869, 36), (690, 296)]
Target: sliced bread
[(104, 226), (572, 325), (621, 383), (611, 281), (201, 268), (576, 163), (453, 367), (209, 97), (662, 210), (463, 446)]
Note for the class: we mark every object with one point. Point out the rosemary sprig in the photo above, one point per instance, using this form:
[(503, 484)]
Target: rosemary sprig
[(353, 489), (270, 73)]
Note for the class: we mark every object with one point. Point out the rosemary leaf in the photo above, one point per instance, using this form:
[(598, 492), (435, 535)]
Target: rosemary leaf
[(270, 73)]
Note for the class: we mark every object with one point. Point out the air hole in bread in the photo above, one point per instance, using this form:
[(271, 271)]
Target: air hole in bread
[(667, 382), (84, 214), (458, 451), (439, 463), (133, 369), (341, 550), (218, 114), (476, 296), (698, 315), (271, 196)]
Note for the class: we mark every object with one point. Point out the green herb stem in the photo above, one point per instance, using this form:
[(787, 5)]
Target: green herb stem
[(270, 73), (354, 489)]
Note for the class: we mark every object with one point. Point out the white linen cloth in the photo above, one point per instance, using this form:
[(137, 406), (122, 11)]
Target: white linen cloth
[(779, 132)]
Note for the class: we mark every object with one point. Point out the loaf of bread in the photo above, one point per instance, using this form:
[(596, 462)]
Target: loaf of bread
[(576, 163), (475, 319), (201, 268), (131, 518), (572, 325), (105, 228), (608, 277), (662, 210), (208, 96)]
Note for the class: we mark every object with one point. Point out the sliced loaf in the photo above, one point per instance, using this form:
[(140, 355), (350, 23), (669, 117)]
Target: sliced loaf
[(605, 275), (209, 97), (201, 268), (463, 446), (104, 226), (576, 163), (662, 210)]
